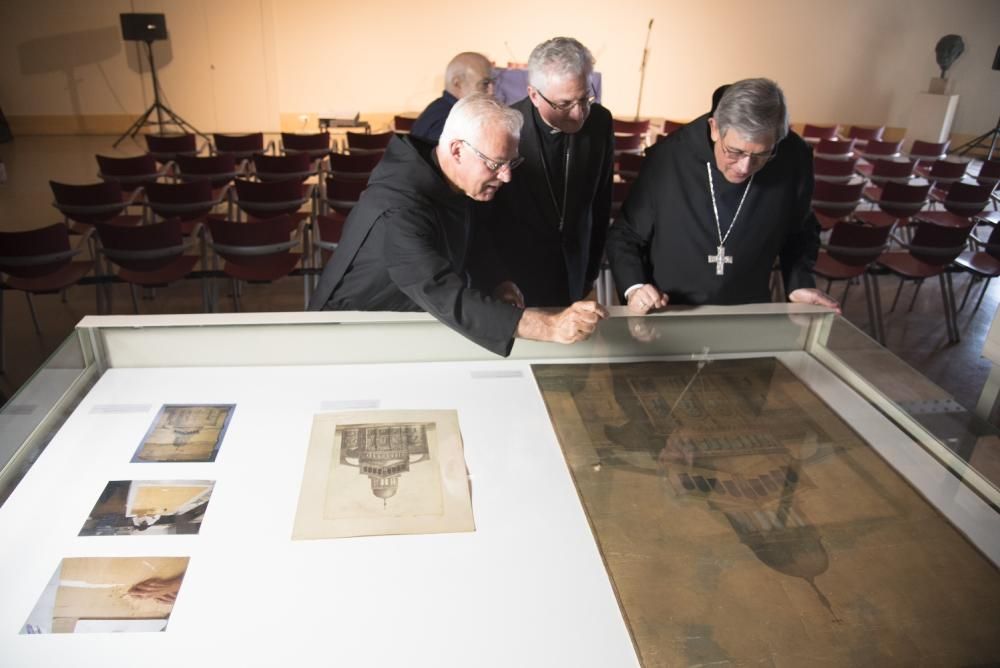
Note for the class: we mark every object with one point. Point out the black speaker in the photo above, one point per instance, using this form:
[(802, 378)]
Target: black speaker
[(144, 27)]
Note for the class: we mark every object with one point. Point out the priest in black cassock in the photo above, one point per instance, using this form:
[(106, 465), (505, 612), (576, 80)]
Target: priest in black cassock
[(406, 243), (553, 218), (715, 203)]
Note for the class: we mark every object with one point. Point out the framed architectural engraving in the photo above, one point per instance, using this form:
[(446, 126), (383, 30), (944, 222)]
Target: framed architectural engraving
[(384, 472), (185, 433), (108, 594), (150, 507)]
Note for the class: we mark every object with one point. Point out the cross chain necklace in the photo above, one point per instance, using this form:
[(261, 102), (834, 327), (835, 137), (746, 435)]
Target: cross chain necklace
[(720, 259)]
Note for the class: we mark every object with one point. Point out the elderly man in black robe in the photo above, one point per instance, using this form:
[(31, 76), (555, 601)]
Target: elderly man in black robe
[(552, 220), (405, 244), (715, 203)]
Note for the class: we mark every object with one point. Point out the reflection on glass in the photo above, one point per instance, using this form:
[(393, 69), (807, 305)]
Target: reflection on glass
[(975, 441), (744, 522)]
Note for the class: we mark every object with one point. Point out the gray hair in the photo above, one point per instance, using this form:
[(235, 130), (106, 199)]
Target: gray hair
[(755, 108), (558, 57), (473, 113)]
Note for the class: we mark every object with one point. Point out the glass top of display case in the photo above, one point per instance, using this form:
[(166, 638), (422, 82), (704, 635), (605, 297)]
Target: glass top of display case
[(746, 484)]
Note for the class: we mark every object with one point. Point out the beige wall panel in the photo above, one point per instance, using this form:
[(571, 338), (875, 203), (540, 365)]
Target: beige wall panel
[(237, 65)]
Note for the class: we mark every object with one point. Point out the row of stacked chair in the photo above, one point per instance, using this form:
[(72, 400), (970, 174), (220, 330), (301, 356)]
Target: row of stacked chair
[(245, 210), (913, 216)]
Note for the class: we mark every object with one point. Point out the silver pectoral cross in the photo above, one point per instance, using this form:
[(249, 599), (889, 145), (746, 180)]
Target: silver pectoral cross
[(720, 259)]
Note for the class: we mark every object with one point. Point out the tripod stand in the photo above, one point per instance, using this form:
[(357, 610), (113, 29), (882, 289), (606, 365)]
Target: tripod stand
[(157, 106), (990, 136)]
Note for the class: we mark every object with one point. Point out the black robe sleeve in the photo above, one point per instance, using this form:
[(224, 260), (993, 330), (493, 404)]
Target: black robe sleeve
[(601, 210), (801, 246), (630, 236), (416, 264)]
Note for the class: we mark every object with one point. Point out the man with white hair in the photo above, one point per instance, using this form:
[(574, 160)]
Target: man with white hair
[(467, 73), (715, 204), (552, 221), (406, 243)]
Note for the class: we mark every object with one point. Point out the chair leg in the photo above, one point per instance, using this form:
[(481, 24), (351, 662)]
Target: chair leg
[(135, 302), (843, 297), (3, 342), (896, 299), (972, 280), (982, 294), (236, 295), (875, 307), (916, 291), (948, 298), (34, 316)]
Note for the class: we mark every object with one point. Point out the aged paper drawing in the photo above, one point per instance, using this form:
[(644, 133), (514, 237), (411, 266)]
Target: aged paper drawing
[(185, 433), (384, 472), (108, 594), (744, 522), (151, 507)]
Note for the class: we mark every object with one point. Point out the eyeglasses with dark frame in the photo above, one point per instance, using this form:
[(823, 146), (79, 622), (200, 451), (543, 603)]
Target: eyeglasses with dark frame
[(495, 166), (735, 154), (564, 107)]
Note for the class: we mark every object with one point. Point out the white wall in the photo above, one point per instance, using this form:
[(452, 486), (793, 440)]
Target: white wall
[(241, 65)]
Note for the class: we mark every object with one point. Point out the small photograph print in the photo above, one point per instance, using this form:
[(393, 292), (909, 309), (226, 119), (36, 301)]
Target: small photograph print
[(185, 433), (108, 595), (149, 507)]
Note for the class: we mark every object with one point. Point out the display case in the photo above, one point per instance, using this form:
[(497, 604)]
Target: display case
[(712, 485)]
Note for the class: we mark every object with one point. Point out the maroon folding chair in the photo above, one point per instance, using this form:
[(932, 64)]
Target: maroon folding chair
[(835, 171), (316, 144), (362, 142), (883, 170), (896, 202), (628, 144), (219, 170), (327, 230), (670, 126), (983, 263), (167, 147), (816, 132), (877, 148), (261, 251), (353, 166), (269, 199), (291, 166), (849, 252), (928, 253), (85, 205), (130, 173), (835, 202), (929, 151), (150, 256), (961, 201), (342, 194), (188, 203), (241, 147), (39, 262), (623, 127), (834, 149), (862, 135), (402, 125), (942, 173), (627, 165)]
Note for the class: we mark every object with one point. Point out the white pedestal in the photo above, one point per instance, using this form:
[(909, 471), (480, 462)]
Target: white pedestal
[(930, 118)]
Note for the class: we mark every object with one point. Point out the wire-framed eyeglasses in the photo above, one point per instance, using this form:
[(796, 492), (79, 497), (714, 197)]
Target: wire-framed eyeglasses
[(735, 154), (563, 107), (495, 166)]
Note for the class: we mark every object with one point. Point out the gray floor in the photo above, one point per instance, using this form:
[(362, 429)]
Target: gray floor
[(917, 336)]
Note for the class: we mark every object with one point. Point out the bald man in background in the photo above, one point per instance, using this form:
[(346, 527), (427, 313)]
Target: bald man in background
[(468, 72)]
